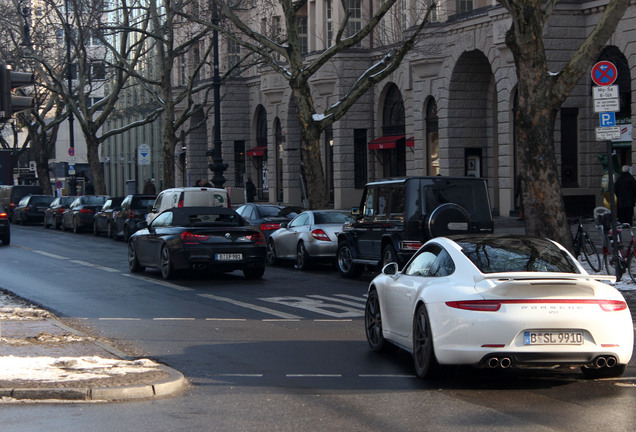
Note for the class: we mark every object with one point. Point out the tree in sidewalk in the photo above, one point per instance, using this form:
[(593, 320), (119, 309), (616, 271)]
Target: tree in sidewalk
[(283, 52), (540, 96)]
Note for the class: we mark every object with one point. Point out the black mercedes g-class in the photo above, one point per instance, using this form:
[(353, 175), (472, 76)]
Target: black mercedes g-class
[(397, 216)]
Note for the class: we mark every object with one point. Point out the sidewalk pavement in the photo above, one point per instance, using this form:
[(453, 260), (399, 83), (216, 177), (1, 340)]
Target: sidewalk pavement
[(44, 360), (41, 359)]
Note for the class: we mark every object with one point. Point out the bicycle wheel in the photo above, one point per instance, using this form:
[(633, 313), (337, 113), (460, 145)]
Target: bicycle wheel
[(631, 267), (591, 254), (614, 266)]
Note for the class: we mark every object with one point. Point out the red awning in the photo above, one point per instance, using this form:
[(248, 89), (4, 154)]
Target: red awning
[(257, 151), (389, 142)]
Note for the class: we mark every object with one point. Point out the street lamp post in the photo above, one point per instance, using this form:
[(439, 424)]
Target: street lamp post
[(216, 153), (72, 183)]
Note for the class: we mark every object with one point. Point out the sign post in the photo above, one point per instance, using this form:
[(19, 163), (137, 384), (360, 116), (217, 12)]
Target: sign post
[(607, 102)]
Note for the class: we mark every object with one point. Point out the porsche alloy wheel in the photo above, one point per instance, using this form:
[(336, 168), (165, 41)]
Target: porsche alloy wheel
[(373, 323), (426, 365)]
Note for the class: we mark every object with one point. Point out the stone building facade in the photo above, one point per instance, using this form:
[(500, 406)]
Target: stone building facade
[(448, 110)]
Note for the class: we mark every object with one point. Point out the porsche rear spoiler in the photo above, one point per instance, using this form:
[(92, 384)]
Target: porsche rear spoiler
[(543, 277)]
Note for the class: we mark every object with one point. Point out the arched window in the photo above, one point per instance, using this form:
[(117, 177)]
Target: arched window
[(393, 124)]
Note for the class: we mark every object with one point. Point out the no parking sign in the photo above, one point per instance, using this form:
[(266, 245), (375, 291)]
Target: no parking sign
[(604, 73)]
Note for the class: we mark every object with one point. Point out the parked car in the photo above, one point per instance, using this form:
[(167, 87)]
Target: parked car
[(133, 210), (31, 209), (267, 217), (188, 197), (53, 213), (11, 195), (79, 215), (197, 238), (310, 236), (397, 216), (499, 302), (102, 221), (5, 227)]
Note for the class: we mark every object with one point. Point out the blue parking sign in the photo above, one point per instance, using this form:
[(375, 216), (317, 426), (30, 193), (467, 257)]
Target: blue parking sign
[(607, 119)]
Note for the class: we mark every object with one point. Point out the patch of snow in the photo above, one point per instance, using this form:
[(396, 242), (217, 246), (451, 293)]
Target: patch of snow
[(54, 369)]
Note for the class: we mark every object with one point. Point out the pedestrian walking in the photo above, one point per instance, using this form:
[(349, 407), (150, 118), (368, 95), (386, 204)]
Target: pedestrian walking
[(149, 188), (625, 191), (250, 190)]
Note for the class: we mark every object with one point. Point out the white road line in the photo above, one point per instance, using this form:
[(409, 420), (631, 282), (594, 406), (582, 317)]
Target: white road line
[(50, 255), (240, 375), (333, 320), (87, 264), (174, 319), (251, 306), (119, 319), (386, 376), (354, 298), (313, 375), (159, 282), (226, 319), (348, 303)]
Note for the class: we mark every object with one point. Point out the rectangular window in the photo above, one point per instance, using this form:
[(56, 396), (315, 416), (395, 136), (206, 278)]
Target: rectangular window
[(464, 6), (355, 18), (329, 14), (98, 70), (303, 34), (233, 55), (360, 157)]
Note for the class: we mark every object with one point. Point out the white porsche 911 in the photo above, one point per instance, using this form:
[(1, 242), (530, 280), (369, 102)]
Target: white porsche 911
[(499, 301)]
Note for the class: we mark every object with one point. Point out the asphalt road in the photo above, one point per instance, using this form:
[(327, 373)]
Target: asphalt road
[(285, 353)]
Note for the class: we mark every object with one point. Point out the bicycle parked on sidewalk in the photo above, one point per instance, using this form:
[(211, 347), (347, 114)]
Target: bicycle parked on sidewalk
[(625, 258), (583, 243)]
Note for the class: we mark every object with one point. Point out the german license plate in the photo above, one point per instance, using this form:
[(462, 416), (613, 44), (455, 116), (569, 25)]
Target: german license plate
[(550, 337), (228, 257)]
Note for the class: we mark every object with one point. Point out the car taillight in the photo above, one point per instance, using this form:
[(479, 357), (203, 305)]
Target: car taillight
[(269, 226), (410, 245), (86, 211), (192, 238), (476, 305), (612, 305), (60, 210), (257, 238), (3, 216), (319, 234), (27, 208), (132, 214), (180, 203)]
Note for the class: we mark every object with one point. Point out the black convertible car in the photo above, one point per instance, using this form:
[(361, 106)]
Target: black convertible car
[(197, 238)]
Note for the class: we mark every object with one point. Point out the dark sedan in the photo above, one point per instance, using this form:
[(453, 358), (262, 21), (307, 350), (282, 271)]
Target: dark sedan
[(53, 214), (133, 210), (103, 219), (81, 212), (5, 228), (267, 217), (31, 209), (197, 238)]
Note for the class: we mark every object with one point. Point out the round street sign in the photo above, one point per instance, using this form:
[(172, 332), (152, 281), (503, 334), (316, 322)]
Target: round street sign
[(604, 73), (71, 151)]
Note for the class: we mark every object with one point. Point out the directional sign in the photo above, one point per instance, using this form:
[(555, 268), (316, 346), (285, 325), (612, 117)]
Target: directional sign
[(604, 73), (143, 154), (607, 119), (608, 133)]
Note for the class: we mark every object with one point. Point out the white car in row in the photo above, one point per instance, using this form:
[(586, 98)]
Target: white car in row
[(499, 302)]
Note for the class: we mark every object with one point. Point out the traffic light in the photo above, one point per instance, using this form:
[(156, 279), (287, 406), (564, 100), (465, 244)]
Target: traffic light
[(11, 81)]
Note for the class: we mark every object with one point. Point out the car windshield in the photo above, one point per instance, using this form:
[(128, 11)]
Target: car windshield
[(144, 203), (516, 254), (269, 211), (332, 218), (94, 200)]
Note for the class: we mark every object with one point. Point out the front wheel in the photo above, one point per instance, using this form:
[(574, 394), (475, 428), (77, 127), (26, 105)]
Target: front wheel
[(271, 252), (591, 254), (426, 365), (346, 267), (373, 323)]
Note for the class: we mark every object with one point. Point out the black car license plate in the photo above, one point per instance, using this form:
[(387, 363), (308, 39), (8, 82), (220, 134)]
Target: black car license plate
[(228, 257)]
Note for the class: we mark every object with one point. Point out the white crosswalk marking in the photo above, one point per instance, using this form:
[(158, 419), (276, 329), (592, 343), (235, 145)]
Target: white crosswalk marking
[(335, 307)]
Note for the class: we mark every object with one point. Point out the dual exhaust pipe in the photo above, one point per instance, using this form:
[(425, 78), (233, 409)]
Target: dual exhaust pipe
[(496, 362), (605, 362)]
